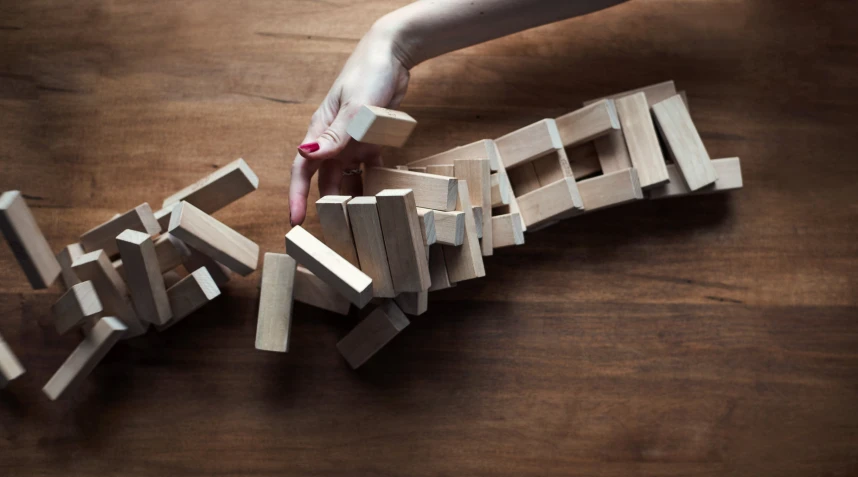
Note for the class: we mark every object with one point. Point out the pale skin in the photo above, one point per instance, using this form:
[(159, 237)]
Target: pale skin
[(377, 74)]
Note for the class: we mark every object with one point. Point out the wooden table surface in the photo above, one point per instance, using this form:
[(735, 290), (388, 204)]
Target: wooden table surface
[(700, 336)]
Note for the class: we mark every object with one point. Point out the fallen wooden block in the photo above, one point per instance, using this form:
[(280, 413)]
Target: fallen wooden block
[(466, 261), (333, 269), (65, 258), (427, 225), (500, 190), (430, 191), (193, 260), (413, 303), (211, 237), (143, 273), (169, 256), (215, 191), (550, 203), (385, 127), (610, 189), (96, 267), (588, 123), (79, 304), (655, 93), (85, 357), (103, 237), (403, 240), (438, 269), (189, 295), (478, 220), (10, 367), (446, 170), (729, 172), (311, 290), (507, 230), (642, 142), (29, 246), (684, 143), (449, 227), (478, 175), (529, 143), (371, 334), (336, 230), (482, 149), (275, 302), (369, 242)]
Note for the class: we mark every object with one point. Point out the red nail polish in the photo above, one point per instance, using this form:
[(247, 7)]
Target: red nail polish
[(309, 147)]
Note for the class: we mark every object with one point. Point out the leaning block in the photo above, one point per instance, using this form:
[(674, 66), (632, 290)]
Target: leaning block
[(144, 278), (610, 189), (96, 267), (413, 303), (446, 170), (427, 225), (26, 241), (334, 218), (529, 143), (215, 191), (211, 237), (550, 202), (333, 269), (403, 240), (371, 334), (430, 191), (513, 201), (478, 175), (369, 242), (507, 230), (103, 237), (85, 357), (311, 290), (588, 123), (193, 260), (478, 219), (66, 257), (642, 142), (385, 127), (684, 143), (655, 93), (466, 261), (438, 269), (275, 302), (729, 178), (10, 367), (500, 190), (449, 227), (166, 251), (189, 295), (483, 149), (79, 304)]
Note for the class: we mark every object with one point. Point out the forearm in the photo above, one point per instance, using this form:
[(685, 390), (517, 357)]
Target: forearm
[(429, 28)]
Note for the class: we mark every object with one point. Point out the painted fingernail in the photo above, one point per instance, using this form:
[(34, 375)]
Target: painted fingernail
[(309, 147)]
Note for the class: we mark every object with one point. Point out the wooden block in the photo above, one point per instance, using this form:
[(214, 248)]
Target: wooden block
[(552, 168), (193, 260), (529, 143), (10, 367), (336, 230), (275, 302), (523, 179), (403, 240), (655, 93), (610, 189), (96, 267), (215, 191), (333, 269), (371, 334), (507, 230), (79, 304), (430, 191), (438, 268), (478, 219), (613, 154), (513, 201), (26, 241), (427, 225), (413, 303), (171, 278), (65, 258), (189, 295), (385, 127), (163, 217), (729, 172), (311, 290), (466, 261), (169, 256), (588, 123), (449, 227), (211, 237), (85, 357), (641, 140), (684, 100), (684, 143), (477, 173), (402, 168), (103, 237), (500, 189), (143, 272), (446, 170), (584, 159), (417, 169), (482, 149), (369, 242), (550, 202)]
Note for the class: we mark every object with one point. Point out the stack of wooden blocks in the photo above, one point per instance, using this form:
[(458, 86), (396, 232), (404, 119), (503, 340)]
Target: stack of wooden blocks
[(427, 225), (123, 275)]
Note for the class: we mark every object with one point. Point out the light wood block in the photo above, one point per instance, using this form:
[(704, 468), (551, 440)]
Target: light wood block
[(430, 191), (478, 219), (29, 246), (275, 302), (311, 290), (552, 168), (446, 170), (550, 203), (482, 149), (417, 169), (478, 175), (217, 190), (79, 304), (96, 267), (523, 179), (402, 168), (143, 272), (336, 230), (189, 295), (10, 367), (369, 242), (610, 190), (94, 347), (684, 100), (684, 143), (438, 268), (529, 143), (513, 201), (103, 237), (507, 231), (466, 261), (427, 225), (333, 269), (641, 140), (211, 237), (385, 127), (588, 123), (729, 172), (449, 227), (655, 93), (403, 240), (65, 258), (169, 257), (413, 303), (500, 190), (371, 334), (613, 154), (193, 260)]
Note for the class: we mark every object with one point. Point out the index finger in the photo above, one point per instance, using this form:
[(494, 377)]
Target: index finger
[(299, 188)]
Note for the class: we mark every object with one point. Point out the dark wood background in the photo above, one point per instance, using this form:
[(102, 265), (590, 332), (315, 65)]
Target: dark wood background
[(699, 336)]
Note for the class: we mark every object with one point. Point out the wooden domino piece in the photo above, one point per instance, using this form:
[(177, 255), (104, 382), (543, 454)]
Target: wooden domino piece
[(169, 257), (336, 230), (311, 290), (78, 305), (507, 230), (427, 225), (550, 203), (403, 240), (729, 172), (413, 303), (385, 127), (193, 260), (500, 190), (66, 257), (10, 367), (27, 242), (641, 140), (103, 237), (446, 170), (94, 347), (275, 302), (655, 93), (143, 274), (684, 143), (529, 143), (369, 243), (466, 261), (588, 123), (213, 238), (438, 268), (215, 191), (371, 334), (611, 189), (189, 295), (478, 219), (96, 267), (482, 149), (478, 175), (333, 269), (449, 227), (430, 191)]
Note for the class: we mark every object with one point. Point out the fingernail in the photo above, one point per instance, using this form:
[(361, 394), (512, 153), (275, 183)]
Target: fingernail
[(309, 147)]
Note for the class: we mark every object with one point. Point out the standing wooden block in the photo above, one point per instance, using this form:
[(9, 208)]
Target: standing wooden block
[(79, 304), (529, 143), (478, 175), (684, 143), (85, 357), (655, 93), (275, 302), (478, 219), (103, 237), (507, 230), (371, 334), (144, 277), (217, 190), (427, 225), (641, 140), (66, 257), (336, 230), (189, 295), (26, 241), (610, 189), (403, 240), (369, 241), (193, 260), (466, 261), (449, 227), (211, 237), (413, 303), (500, 190), (10, 367), (430, 191), (96, 267), (588, 123), (438, 268), (333, 269), (550, 202), (168, 255), (482, 149), (385, 127), (446, 170), (311, 290), (729, 178)]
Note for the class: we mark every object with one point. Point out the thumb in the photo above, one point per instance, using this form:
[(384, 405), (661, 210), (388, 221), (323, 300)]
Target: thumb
[(333, 139)]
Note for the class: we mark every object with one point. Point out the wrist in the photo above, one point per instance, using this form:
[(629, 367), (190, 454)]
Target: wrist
[(392, 31)]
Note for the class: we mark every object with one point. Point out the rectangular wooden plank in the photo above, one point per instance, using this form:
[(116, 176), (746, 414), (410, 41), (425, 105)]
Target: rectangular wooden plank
[(588, 123), (507, 231), (96, 267), (466, 261), (477, 173), (144, 279), (79, 304), (65, 258), (369, 243), (610, 190), (641, 140), (311, 290), (504, 176), (371, 334), (449, 227), (684, 143), (189, 295), (430, 191), (500, 190), (478, 219), (438, 268), (446, 170), (10, 366), (385, 127), (27, 242), (613, 154), (550, 202), (729, 172), (169, 257), (274, 319), (529, 143), (215, 191), (103, 237), (655, 93), (413, 303), (193, 260), (336, 230), (427, 225), (403, 240), (482, 149)]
